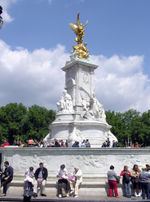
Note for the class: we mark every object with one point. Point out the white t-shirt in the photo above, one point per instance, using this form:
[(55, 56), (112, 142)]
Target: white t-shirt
[(62, 173), (29, 173), (29, 176)]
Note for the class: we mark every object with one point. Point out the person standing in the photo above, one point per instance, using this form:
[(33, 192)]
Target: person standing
[(135, 172), (41, 175), (7, 177), (76, 181), (144, 180), (126, 181), (112, 181)]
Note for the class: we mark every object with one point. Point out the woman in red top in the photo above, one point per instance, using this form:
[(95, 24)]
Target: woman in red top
[(126, 181)]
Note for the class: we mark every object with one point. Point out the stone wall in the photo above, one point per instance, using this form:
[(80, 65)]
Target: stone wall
[(94, 162)]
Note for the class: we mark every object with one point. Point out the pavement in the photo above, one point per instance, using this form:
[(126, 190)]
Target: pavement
[(82, 198)]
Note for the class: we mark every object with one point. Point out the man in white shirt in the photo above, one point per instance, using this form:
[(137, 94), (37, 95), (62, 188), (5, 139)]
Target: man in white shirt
[(62, 176), (74, 184)]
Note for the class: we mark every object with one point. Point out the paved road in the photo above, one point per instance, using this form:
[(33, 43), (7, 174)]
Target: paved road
[(86, 198)]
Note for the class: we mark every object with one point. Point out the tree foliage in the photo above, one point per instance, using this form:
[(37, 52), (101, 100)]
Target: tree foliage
[(20, 122), (130, 126)]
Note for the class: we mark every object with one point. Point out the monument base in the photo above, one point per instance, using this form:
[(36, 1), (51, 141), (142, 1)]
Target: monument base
[(96, 132), (93, 162)]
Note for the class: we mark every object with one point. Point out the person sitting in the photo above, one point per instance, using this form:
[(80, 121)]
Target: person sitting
[(75, 144), (7, 178), (87, 143), (41, 175), (56, 144), (28, 184), (75, 181), (29, 176), (104, 145), (63, 185)]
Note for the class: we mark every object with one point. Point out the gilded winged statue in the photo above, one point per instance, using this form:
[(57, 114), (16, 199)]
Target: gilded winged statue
[(78, 29)]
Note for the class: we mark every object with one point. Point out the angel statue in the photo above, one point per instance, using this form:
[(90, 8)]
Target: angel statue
[(79, 31)]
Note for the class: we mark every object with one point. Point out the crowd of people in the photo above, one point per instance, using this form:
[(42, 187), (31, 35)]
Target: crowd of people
[(135, 182), (107, 143), (54, 143), (64, 143)]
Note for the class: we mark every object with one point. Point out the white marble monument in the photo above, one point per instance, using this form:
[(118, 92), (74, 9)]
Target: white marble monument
[(80, 115)]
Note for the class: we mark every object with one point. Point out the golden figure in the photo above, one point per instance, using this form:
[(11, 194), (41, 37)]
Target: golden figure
[(79, 31)]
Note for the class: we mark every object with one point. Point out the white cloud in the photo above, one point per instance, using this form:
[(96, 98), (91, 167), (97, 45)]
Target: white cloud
[(31, 77), (36, 78), (121, 84), (6, 4)]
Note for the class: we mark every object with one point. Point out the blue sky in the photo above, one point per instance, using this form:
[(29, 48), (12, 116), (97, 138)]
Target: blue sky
[(35, 32)]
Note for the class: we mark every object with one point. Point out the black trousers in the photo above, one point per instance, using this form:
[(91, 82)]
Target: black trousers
[(5, 184), (61, 183)]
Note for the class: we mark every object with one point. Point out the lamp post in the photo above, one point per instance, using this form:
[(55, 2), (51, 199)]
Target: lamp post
[(1, 19)]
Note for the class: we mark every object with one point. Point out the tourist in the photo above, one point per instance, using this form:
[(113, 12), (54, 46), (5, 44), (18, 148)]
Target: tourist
[(63, 185), (144, 180), (56, 143), (135, 172), (6, 143), (87, 143), (126, 181), (136, 145), (104, 145), (30, 142), (62, 144), (66, 143), (75, 144), (148, 171), (115, 143), (83, 144), (29, 175), (7, 177), (112, 181), (75, 181), (107, 142), (41, 175), (28, 184)]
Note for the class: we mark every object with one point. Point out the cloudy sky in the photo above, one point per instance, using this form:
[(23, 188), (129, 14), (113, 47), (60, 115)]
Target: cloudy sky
[(36, 41)]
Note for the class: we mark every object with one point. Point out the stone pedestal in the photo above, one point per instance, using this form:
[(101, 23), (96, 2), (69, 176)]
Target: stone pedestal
[(80, 115)]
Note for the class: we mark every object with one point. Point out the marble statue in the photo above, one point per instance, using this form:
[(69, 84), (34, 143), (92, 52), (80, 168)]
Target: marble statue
[(65, 105)]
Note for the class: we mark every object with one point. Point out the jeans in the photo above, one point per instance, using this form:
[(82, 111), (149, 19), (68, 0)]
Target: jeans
[(127, 191), (60, 184), (145, 190)]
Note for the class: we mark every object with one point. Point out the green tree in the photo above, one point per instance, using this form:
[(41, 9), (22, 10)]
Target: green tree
[(11, 117), (118, 126), (35, 124)]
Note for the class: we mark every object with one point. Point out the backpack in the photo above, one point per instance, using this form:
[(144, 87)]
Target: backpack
[(126, 178)]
